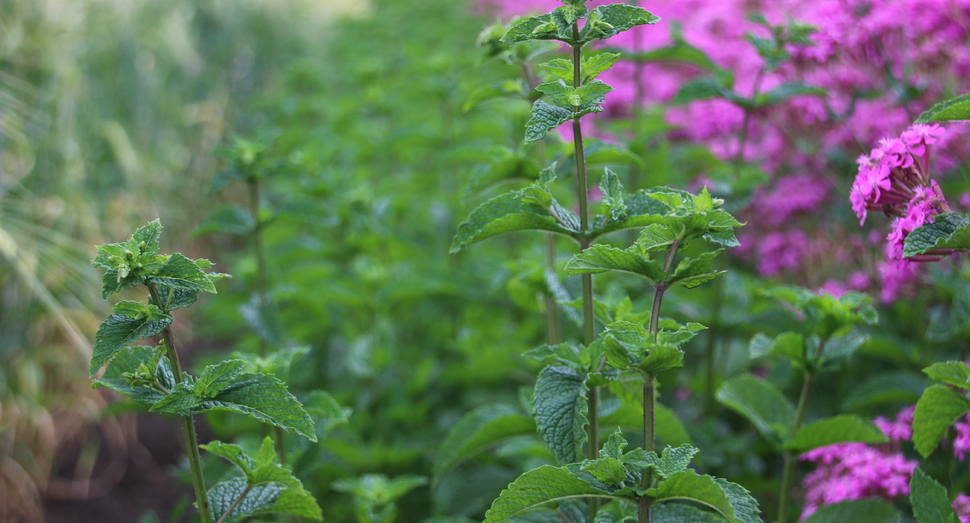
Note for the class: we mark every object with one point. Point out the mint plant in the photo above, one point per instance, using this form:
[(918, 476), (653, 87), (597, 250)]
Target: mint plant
[(566, 400), (153, 376)]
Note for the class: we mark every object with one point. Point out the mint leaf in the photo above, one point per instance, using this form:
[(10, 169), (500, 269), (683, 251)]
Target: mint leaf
[(130, 322), (688, 485), (678, 513), (483, 427), (788, 345), (216, 378), (930, 501), (761, 402), (248, 500), (507, 213), (259, 396), (560, 412), (545, 117), (954, 373), (612, 195), (843, 428), (124, 375), (948, 231), (691, 272), (953, 109), (182, 273), (538, 487), (601, 258), (641, 210), (542, 27), (610, 20), (231, 219), (936, 410)]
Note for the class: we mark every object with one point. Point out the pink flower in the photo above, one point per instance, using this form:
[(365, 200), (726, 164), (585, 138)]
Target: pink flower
[(962, 505), (919, 135)]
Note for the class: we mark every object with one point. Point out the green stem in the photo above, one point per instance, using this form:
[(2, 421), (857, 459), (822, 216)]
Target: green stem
[(711, 345), (260, 254), (649, 397), (743, 140), (788, 474), (188, 425)]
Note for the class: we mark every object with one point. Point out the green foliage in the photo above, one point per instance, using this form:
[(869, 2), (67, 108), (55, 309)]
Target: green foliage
[(483, 427), (936, 410), (856, 510), (948, 231), (375, 494), (560, 412), (761, 403), (838, 429), (731, 501), (130, 322), (929, 499), (953, 109), (266, 486)]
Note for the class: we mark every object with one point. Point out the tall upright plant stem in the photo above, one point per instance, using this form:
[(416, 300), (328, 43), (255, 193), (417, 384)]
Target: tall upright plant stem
[(188, 425), (649, 383), (788, 473)]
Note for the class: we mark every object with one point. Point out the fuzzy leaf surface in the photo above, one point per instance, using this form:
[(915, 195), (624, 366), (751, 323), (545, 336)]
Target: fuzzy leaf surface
[(936, 410), (602, 258), (545, 117), (641, 210), (252, 500), (679, 513), (130, 322), (948, 231), (259, 396), (538, 487), (688, 485), (761, 402), (183, 273), (953, 109), (560, 412), (955, 373), (129, 362), (506, 213), (481, 428), (610, 20), (843, 428)]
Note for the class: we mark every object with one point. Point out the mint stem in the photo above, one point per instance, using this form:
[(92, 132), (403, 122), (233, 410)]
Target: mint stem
[(188, 425)]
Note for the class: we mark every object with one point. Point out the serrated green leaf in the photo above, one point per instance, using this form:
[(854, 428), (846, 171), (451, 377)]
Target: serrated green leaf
[(656, 237), (259, 396), (215, 378), (601, 258), (745, 506), (953, 109), (667, 425), (538, 487), (559, 68), (579, 100), (930, 501), (506, 213), (264, 470), (761, 403), (789, 345), (241, 499), (641, 210), (182, 273), (596, 64), (785, 91), (610, 20), (128, 361), (856, 510), (630, 345), (608, 470), (545, 117), (843, 428), (948, 231), (131, 322), (481, 428), (954, 373), (678, 513), (560, 412), (542, 27), (612, 195), (674, 460), (688, 485), (691, 272), (231, 219), (615, 512), (177, 298), (146, 238), (936, 410), (843, 346)]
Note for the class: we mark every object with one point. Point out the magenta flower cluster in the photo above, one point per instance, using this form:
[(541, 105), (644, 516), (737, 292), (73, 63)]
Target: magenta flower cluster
[(849, 471), (864, 54), (894, 178)]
